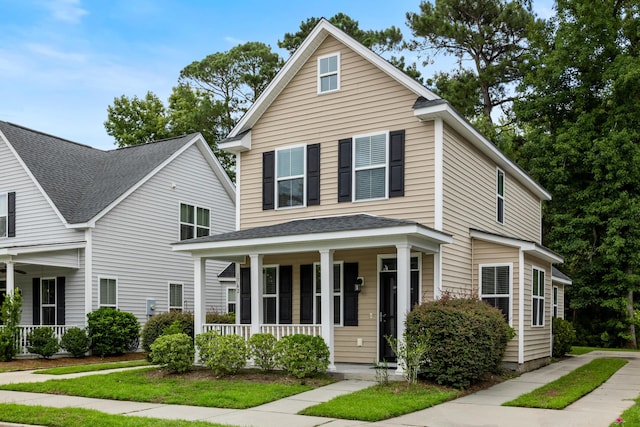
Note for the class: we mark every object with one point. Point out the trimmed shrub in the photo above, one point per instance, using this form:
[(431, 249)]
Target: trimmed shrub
[(175, 351), (11, 311), (302, 355), (43, 342), (217, 318), (224, 354), (563, 337), (464, 338), (76, 342), (112, 331), (262, 348), (157, 324)]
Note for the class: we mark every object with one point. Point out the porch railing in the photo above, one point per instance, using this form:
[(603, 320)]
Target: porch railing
[(25, 330), (278, 331)]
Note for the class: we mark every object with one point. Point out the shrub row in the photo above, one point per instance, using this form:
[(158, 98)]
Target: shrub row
[(564, 335)]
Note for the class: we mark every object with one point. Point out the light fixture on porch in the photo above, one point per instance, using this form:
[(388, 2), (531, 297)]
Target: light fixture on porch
[(357, 287)]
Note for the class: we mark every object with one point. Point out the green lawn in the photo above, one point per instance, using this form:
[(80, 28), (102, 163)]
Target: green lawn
[(150, 385), (630, 417), (380, 402), (92, 367), (567, 389), (73, 417)]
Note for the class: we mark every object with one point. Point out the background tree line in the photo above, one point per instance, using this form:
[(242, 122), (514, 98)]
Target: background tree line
[(559, 96)]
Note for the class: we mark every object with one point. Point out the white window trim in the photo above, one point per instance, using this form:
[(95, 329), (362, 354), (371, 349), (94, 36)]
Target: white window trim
[(235, 301), (555, 297), (276, 296), (195, 219), (303, 176), (535, 298), (117, 291), (337, 73), (333, 294), (5, 233), (55, 303), (175, 307), (355, 169), (501, 196), (481, 295)]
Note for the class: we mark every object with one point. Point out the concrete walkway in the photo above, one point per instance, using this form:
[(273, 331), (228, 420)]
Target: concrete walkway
[(599, 408)]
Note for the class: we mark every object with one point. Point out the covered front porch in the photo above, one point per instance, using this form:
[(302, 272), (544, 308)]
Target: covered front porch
[(350, 279)]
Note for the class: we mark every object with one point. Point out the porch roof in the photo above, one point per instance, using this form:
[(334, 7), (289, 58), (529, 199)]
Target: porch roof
[(313, 234)]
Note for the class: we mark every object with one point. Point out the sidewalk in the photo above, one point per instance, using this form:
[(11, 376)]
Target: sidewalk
[(599, 408)]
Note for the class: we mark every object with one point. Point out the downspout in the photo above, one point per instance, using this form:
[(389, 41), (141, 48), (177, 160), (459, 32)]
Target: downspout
[(88, 273), (520, 306)]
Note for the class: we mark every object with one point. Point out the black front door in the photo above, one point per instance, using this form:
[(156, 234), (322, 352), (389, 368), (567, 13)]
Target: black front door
[(388, 314)]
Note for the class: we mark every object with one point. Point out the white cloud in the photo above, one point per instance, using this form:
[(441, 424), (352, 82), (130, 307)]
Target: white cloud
[(53, 53), (69, 11), (234, 41)]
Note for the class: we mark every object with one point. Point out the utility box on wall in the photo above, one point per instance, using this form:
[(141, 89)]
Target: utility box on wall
[(151, 307)]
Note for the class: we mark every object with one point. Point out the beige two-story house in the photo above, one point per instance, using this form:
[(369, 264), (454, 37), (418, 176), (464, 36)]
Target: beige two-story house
[(360, 194)]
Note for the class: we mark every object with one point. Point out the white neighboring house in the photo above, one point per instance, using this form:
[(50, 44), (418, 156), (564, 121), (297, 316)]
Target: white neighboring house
[(82, 228)]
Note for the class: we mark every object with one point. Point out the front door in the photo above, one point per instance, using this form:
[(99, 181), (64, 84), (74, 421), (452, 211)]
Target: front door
[(388, 315)]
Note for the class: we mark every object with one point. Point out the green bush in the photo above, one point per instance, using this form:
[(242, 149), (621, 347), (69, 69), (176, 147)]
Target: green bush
[(262, 348), (11, 312), (464, 338), (224, 354), (76, 342), (563, 337), (112, 331), (157, 324), (42, 341), (302, 355), (175, 351), (217, 318)]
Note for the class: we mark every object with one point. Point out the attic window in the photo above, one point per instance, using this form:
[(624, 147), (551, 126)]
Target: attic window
[(329, 73)]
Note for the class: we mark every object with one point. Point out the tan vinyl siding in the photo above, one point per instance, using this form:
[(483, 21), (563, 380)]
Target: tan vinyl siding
[(560, 287), (469, 201), (300, 116), (537, 343), (491, 253)]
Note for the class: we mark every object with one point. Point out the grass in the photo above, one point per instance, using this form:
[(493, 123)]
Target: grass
[(63, 370), (578, 350), (380, 402), (150, 385), (72, 417), (567, 389), (630, 417)]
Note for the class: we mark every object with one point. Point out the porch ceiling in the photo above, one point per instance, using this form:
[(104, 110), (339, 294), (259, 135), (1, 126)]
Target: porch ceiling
[(55, 255), (310, 235)]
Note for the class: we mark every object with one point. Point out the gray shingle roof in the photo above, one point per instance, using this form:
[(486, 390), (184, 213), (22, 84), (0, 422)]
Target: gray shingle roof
[(308, 226), (559, 274), (81, 180)]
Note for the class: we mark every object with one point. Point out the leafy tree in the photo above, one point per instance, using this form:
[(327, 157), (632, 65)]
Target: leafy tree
[(583, 127), (491, 34), (133, 121)]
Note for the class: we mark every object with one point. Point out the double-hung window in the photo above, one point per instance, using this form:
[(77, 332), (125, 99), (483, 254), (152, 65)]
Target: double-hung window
[(231, 300), (176, 297), (270, 294), (329, 73), (290, 167), (4, 215), (537, 299), (370, 171), (500, 196), (194, 221), (495, 285), (108, 292), (48, 304), (337, 293)]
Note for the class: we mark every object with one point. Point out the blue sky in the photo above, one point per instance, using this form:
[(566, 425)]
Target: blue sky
[(62, 62)]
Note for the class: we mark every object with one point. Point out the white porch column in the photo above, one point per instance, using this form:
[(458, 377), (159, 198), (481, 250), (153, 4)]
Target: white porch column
[(199, 300), (403, 292), (326, 292), (256, 292), (11, 280)]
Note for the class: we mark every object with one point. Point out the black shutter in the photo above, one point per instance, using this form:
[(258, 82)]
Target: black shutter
[(36, 300), (306, 294), (11, 213), (268, 180), (245, 295), (350, 295), (286, 294), (396, 164), (414, 289), (344, 170), (313, 174), (60, 308)]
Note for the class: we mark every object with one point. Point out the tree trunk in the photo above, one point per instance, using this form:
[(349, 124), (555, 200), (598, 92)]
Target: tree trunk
[(633, 342)]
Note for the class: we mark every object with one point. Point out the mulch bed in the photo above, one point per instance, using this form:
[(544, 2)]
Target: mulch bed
[(30, 364)]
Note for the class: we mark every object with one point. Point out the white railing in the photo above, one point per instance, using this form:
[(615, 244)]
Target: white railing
[(25, 330), (280, 331), (277, 331)]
